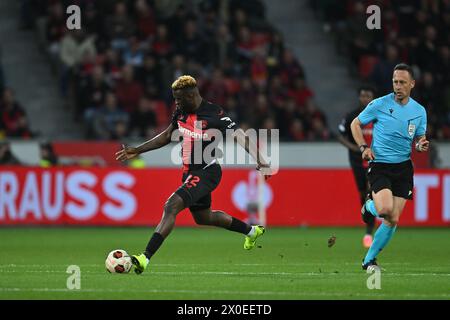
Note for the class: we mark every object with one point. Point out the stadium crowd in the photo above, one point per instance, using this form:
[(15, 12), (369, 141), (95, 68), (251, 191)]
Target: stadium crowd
[(118, 68), (13, 118), (412, 31)]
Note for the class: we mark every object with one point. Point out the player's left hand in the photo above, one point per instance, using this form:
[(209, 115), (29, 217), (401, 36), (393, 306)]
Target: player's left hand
[(126, 153), (265, 170), (422, 145)]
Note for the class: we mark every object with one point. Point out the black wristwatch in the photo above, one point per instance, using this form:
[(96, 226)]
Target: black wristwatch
[(363, 147)]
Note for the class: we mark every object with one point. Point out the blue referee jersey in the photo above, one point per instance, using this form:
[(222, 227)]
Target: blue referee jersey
[(394, 127)]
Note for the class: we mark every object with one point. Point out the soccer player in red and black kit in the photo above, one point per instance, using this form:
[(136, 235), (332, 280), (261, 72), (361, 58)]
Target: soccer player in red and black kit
[(196, 120), (358, 165)]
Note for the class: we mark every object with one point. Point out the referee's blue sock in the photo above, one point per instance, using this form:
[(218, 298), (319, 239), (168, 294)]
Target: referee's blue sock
[(380, 240), (370, 205)]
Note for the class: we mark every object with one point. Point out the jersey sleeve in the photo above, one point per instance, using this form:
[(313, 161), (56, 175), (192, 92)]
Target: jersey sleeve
[(344, 126), (422, 129), (225, 122), (369, 114)]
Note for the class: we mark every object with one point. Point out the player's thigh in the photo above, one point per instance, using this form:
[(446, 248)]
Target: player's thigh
[(399, 205), (201, 215), (384, 201), (174, 204)]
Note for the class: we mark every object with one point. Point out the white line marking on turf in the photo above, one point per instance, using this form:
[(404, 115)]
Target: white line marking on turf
[(225, 292), (319, 264), (231, 273)]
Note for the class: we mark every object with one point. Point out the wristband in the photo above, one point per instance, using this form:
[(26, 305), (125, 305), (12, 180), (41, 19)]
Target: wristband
[(418, 147), (363, 147)]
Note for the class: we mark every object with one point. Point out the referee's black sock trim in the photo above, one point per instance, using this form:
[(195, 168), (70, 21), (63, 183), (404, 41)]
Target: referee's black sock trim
[(239, 226), (153, 245)]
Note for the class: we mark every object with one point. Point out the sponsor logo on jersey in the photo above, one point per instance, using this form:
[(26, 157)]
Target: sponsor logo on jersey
[(192, 134)]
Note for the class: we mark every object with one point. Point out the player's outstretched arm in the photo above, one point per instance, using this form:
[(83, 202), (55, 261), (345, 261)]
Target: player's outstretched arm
[(347, 143), (157, 142), (250, 146), (367, 153), (422, 144)]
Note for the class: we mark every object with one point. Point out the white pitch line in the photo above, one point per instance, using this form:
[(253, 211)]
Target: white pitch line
[(231, 273), (319, 264), (224, 292)]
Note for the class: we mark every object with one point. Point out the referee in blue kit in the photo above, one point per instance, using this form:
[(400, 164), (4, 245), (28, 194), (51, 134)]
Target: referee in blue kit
[(397, 120)]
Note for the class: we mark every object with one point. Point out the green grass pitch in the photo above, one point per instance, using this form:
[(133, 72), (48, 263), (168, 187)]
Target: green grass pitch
[(209, 263)]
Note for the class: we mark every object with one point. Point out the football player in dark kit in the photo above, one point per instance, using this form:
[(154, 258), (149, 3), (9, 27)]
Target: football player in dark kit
[(195, 119), (358, 165)]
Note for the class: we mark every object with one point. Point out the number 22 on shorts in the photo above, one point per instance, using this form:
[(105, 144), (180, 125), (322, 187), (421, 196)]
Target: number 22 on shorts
[(191, 181)]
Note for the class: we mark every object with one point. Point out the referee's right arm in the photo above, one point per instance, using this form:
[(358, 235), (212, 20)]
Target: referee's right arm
[(357, 133)]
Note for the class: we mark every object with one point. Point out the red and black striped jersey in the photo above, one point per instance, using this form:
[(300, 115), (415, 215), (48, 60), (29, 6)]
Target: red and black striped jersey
[(199, 130)]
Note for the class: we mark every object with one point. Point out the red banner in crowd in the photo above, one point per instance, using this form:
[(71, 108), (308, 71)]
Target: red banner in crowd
[(293, 197)]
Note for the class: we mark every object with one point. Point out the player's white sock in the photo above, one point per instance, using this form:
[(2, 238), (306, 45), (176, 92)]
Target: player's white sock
[(252, 231)]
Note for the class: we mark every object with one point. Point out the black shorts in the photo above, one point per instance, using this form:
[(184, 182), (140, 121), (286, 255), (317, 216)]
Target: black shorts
[(198, 185), (397, 177), (360, 175)]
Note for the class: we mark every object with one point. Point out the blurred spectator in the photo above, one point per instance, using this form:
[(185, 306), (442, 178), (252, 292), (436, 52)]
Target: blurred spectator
[(258, 68), (300, 92), (382, 73), (143, 118), (146, 22), (91, 91), (109, 121), (13, 120), (358, 36), (290, 68), (48, 156), (191, 43), (275, 52), (216, 89), (173, 70), (128, 90), (297, 131), (222, 47), (162, 46), (6, 156), (55, 29), (318, 130), (149, 75), (74, 46), (119, 27), (133, 54), (92, 20)]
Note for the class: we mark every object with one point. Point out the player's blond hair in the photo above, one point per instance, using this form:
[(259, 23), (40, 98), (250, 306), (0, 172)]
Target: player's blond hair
[(184, 82)]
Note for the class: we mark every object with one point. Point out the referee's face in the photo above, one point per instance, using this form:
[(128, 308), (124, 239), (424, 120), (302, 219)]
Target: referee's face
[(403, 84)]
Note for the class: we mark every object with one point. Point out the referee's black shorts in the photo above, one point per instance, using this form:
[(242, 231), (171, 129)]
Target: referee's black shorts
[(397, 177), (198, 185)]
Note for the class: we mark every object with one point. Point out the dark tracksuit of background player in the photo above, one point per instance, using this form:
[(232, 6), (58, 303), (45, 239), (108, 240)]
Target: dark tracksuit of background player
[(356, 162)]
